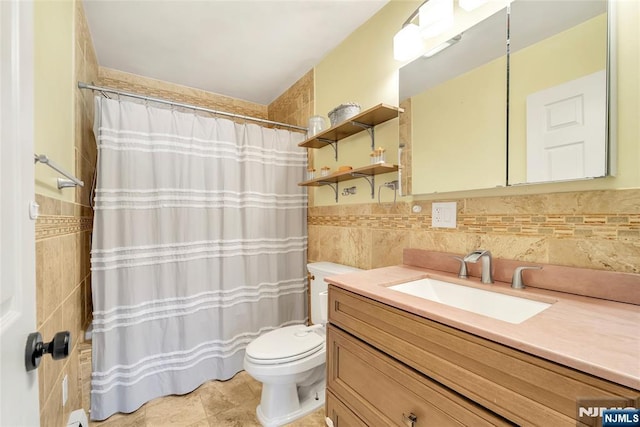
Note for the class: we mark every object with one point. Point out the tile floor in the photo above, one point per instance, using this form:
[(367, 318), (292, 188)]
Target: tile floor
[(229, 403)]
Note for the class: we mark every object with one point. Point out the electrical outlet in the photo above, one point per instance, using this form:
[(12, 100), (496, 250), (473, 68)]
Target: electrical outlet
[(443, 215), (65, 390)]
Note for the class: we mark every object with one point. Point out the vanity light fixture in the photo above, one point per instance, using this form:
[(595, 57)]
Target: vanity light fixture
[(470, 5), (433, 16), (407, 43), (443, 46)]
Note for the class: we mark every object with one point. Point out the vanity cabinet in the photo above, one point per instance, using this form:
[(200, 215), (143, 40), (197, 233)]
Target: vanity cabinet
[(340, 414), (385, 364), (383, 391)]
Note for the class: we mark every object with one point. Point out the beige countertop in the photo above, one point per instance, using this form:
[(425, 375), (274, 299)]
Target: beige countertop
[(592, 335)]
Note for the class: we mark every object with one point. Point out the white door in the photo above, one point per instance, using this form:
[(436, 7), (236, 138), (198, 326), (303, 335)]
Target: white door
[(566, 130), (18, 389)]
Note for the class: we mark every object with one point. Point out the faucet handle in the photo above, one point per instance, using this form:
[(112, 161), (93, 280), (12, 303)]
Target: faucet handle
[(516, 280), (462, 273)]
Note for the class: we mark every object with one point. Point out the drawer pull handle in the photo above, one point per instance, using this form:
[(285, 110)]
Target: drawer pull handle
[(409, 420)]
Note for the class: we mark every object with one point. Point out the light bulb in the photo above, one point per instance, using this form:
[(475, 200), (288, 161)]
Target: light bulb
[(435, 17), (407, 43)]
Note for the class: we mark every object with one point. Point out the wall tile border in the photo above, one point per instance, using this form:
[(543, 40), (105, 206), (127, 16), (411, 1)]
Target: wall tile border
[(48, 226), (559, 216), (623, 227)]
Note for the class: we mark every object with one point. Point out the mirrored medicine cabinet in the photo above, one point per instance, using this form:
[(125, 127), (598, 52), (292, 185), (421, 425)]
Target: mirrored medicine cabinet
[(487, 113)]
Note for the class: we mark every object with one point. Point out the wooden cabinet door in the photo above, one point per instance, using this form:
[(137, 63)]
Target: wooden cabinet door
[(385, 392), (340, 414)]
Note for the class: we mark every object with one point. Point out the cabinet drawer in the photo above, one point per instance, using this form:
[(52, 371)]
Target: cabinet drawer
[(383, 391), (340, 414), (522, 388)]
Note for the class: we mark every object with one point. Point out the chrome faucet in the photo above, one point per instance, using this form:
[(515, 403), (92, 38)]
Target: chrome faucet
[(485, 256)]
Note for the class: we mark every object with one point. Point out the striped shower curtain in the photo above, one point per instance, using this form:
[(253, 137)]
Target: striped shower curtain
[(199, 246)]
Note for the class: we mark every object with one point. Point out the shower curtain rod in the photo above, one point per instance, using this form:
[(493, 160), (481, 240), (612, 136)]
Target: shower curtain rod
[(82, 85)]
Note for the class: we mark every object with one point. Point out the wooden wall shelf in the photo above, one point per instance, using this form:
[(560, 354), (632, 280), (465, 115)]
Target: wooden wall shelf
[(334, 178), (367, 172), (366, 120)]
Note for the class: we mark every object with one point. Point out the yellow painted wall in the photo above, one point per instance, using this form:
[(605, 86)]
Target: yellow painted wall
[(54, 93), (577, 52), (628, 94), (458, 131), (362, 69)]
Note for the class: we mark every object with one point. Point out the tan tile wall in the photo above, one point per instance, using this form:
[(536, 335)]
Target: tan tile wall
[(63, 230), (84, 359), (173, 92), (296, 104), (404, 130), (85, 146), (63, 278), (592, 229)]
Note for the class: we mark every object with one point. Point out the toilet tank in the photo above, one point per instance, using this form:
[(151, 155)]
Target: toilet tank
[(318, 271)]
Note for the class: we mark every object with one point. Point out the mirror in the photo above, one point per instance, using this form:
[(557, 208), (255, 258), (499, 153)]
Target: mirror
[(458, 111), (457, 118), (557, 91)]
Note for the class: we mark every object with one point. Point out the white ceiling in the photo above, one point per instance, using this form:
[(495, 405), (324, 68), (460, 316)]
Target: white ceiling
[(247, 49)]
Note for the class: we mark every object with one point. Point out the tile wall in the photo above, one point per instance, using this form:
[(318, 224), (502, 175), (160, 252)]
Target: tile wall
[(296, 104), (62, 278), (404, 137), (591, 229), (294, 107), (160, 89), (63, 232)]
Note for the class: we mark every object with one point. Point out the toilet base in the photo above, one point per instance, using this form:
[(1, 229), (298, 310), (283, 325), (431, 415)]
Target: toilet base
[(307, 406)]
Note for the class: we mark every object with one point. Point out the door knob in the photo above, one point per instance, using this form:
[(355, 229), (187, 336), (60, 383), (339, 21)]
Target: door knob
[(58, 348)]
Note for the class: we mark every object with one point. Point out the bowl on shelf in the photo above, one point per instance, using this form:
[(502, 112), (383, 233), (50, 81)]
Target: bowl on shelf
[(343, 112)]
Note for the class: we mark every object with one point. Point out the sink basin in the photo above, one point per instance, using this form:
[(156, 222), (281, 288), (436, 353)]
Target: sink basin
[(492, 304)]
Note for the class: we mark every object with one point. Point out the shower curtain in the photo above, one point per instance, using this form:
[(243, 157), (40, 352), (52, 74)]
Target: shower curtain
[(199, 246)]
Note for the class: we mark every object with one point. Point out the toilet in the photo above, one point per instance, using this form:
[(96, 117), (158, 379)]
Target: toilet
[(290, 361)]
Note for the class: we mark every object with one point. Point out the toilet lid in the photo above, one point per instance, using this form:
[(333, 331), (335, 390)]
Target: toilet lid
[(284, 345)]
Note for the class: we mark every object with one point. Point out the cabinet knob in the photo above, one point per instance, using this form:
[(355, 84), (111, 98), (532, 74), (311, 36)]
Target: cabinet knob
[(409, 420)]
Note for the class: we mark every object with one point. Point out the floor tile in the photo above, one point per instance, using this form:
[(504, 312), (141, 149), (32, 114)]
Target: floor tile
[(177, 411), (134, 419), (235, 417), (314, 419), (229, 403)]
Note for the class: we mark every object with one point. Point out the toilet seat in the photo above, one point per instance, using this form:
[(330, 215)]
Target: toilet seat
[(284, 345)]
